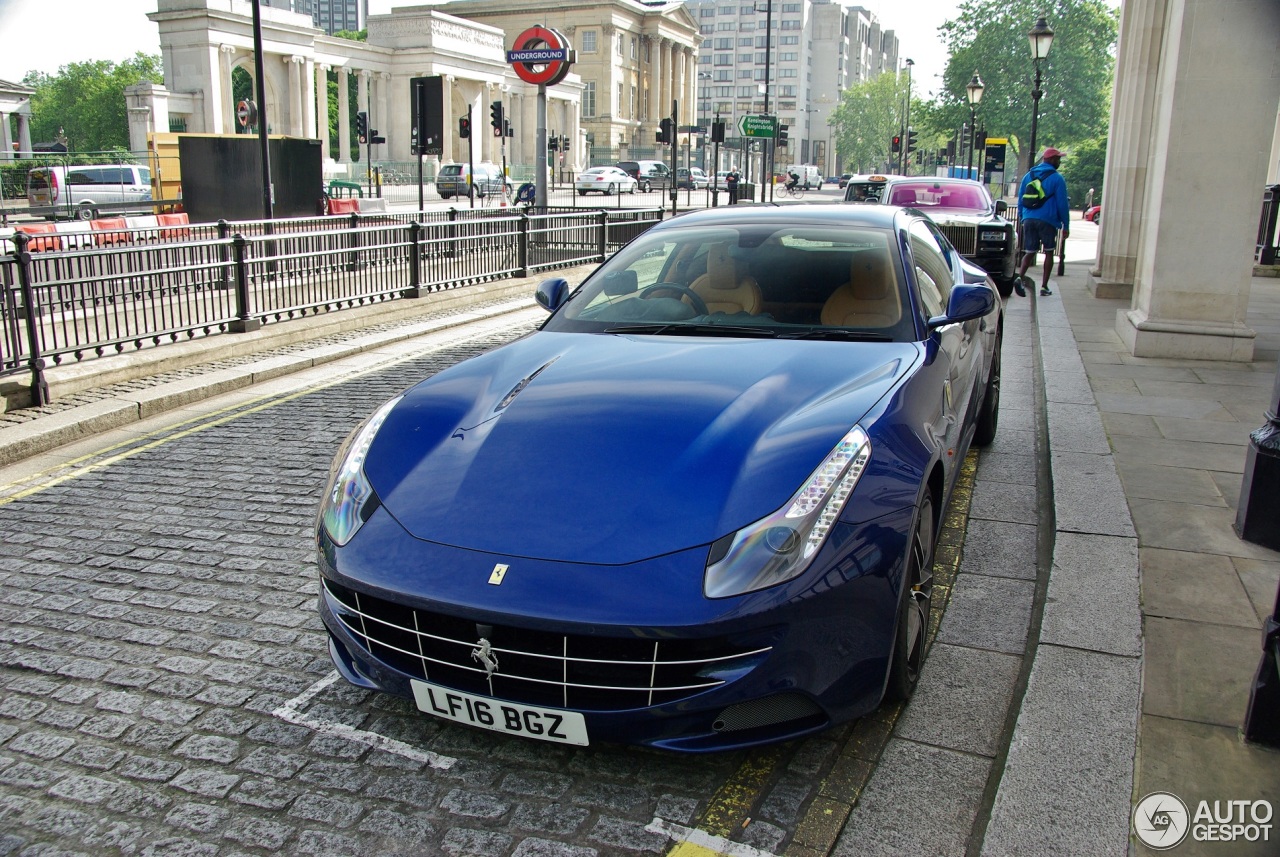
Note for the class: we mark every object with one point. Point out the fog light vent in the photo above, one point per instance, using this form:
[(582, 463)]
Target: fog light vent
[(765, 712)]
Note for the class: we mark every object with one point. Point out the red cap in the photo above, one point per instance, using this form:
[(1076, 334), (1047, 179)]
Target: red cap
[(1051, 153)]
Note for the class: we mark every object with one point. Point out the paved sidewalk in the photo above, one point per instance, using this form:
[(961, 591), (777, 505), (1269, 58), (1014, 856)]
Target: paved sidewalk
[(1103, 626)]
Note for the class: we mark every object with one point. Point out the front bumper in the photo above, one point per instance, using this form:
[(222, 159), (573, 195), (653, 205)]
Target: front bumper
[(636, 649)]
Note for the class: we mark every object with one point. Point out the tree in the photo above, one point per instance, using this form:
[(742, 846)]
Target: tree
[(85, 100), (990, 36), (866, 120)]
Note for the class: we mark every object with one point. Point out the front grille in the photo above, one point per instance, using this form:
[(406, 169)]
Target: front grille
[(963, 236), (584, 672)]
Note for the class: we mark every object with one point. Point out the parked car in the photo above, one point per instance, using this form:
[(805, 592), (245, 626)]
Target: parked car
[(1093, 213), (971, 220), (605, 180), (458, 180), (648, 174), (83, 192), (787, 396), (693, 178), (844, 180)]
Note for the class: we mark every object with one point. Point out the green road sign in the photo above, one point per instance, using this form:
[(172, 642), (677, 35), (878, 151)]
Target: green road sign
[(758, 126)]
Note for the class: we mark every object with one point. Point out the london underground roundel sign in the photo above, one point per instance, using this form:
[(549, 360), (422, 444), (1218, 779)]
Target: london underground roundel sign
[(541, 55)]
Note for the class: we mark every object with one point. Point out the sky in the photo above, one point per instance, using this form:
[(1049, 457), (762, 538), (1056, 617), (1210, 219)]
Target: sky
[(46, 34)]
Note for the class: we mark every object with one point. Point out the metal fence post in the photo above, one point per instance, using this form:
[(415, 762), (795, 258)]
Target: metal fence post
[(415, 261), (353, 243), (522, 246), (243, 323), (451, 239), (602, 241), (39, 386), (224, 253)]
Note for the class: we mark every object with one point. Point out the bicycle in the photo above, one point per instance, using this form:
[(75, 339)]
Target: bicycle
[(793, 191)]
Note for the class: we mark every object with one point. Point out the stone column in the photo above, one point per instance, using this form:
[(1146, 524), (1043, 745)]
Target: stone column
[(295, 95), (664, 77), (321, 81), (450, 123), (344, 115), (1129, 146), (384, 118), (1193, 274), (24, 133), (362, 91), (226, 96), (690, 87), (6, 138), (309, 98)]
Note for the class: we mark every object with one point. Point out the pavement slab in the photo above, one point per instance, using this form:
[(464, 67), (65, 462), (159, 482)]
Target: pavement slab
[(1198, 671), (1093, 595), (962, 701), (988, 613), (1198, 587)]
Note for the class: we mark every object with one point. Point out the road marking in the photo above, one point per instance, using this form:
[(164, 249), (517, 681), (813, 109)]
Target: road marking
[(691, 842), (290, 713)]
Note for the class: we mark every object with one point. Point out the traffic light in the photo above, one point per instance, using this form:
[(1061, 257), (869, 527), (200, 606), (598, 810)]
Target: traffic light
[(717, 131), (507, 124), (464, 127), (666, 130), (362, 126), (553, 143), (911, 140), (564, 144), (896, 146), (495, 118), (782, 136)]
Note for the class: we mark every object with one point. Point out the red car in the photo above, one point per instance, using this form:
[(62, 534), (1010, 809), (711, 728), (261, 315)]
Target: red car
[(1093, 214)]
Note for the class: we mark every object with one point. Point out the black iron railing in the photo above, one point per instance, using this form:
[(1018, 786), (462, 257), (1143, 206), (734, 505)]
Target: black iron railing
[(131, 289)]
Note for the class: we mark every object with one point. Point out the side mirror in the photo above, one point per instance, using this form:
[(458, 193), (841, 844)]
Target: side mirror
[(966, 303), (1001, 206), (551, 294)]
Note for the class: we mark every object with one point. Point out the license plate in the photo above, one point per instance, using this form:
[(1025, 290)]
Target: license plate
[(993, 236), (512, 718)]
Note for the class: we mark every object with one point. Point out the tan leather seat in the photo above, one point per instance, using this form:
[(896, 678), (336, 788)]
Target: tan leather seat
[(870, 298), (726, 286)]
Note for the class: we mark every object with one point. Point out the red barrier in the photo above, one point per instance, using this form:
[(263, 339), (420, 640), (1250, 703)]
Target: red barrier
[(344, 206), (174, 220), (52, 242), (104, 231)]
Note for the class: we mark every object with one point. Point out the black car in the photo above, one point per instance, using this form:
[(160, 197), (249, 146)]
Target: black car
[(966, 214), (648, 174)]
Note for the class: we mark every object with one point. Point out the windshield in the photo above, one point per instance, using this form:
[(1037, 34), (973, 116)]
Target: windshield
[(927, 195), (749, 280)]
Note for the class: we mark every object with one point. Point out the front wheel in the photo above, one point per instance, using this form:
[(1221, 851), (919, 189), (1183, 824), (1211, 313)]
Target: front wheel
[(914, 604), (645, 187), (86, 212), (613, 188), (989, 416), (1004, 285)]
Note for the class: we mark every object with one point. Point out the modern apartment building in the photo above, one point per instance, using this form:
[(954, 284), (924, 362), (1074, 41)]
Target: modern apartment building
[(806, 52), (329, 15)]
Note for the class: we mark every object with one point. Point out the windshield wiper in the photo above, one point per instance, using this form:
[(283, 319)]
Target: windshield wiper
[(838, 333), (680, 329)]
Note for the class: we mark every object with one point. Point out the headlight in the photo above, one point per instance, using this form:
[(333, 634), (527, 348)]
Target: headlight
[(342, 509), (780, 546)]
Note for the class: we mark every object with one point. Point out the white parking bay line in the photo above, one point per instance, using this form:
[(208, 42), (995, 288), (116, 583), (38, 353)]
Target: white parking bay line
[(290, 713), (692, 842)]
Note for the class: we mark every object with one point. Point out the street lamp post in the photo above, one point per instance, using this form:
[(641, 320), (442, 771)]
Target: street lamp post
[(974, 89), (1041, 37)]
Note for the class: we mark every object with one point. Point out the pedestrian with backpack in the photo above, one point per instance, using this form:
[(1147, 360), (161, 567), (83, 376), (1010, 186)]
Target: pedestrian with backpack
[(1042, 211)]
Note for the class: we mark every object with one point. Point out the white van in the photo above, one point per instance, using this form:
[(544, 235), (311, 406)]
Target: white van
[(810, 177), (83, 192)]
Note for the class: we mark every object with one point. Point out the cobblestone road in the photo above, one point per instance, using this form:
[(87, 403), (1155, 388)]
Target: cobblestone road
[(165, 686)]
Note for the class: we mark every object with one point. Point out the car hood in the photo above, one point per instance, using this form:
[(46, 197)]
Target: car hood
[(610, 449)]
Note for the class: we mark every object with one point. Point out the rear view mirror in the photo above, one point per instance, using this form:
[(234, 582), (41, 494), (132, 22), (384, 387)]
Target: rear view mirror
[(1001, 206), (551, 294)]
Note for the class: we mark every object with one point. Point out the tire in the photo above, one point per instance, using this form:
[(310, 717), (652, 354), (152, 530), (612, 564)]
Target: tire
[(582, 193), (1004, 285), (446, 196), (914, 603), (86, 212), (646, 187), (613, 188), (989, 415)]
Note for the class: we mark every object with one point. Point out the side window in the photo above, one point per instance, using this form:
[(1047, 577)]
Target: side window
[(80, 177), (932, 272)]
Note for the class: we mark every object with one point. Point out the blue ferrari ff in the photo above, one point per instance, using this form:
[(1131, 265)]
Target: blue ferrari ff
[(695, 510)]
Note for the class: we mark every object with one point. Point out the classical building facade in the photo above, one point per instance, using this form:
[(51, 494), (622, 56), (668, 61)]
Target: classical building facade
[(204, 42), (15, 120), (634, 59)]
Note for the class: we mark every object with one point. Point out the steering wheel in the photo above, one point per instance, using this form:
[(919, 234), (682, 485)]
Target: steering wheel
[(699, 305)]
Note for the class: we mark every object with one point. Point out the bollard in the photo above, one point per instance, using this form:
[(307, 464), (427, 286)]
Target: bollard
[(415, 261), (242, 323), (39, 386)]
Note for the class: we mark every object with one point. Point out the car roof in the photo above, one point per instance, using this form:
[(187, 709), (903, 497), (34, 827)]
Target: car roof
[(877, 216)]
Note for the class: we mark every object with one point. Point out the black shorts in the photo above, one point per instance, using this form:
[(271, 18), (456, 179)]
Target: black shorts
[(1037, 234)]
